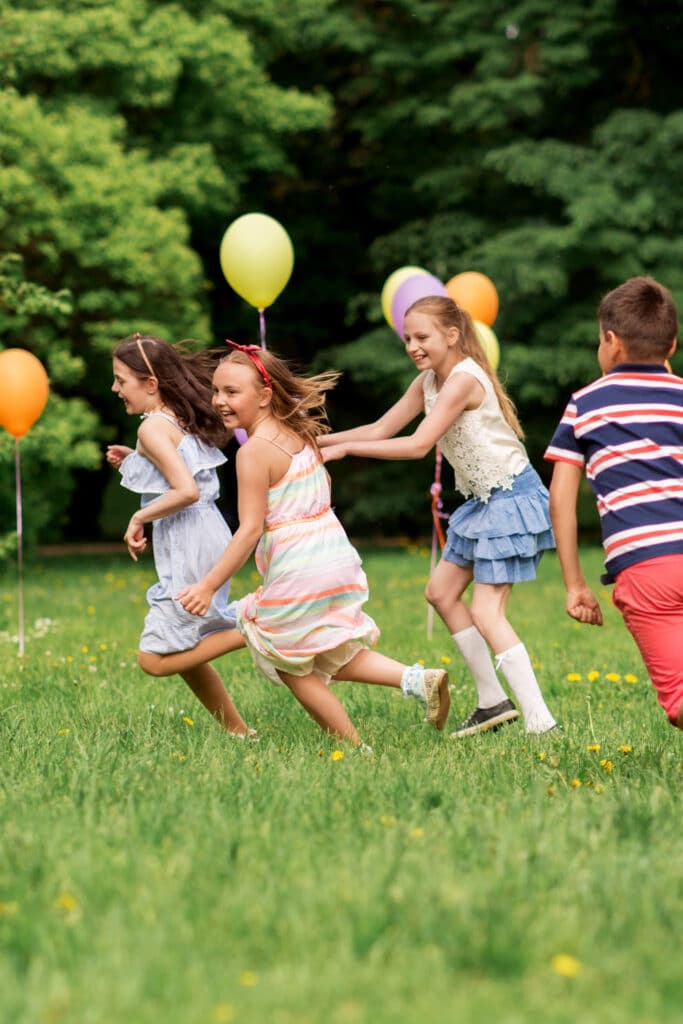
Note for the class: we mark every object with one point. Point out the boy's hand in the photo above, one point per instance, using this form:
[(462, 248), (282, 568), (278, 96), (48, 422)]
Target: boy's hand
[(583, 606), (195, 598), (116, 453)]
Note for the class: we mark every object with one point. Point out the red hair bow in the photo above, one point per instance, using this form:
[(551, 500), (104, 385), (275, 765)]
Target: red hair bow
[(252, 351)]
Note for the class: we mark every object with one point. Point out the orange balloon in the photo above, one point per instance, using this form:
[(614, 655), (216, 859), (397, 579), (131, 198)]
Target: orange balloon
[(476, 294), (24, 388)]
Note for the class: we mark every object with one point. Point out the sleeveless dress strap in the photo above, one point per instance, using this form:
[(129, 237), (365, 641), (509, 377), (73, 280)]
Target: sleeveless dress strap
[(281, 447), (166, 416)]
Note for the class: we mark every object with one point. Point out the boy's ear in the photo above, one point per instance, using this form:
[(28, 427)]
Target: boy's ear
[(674, 346), (617, 345)]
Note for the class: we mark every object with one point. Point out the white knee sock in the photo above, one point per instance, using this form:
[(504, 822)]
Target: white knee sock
[(517, 669), (474, 650)]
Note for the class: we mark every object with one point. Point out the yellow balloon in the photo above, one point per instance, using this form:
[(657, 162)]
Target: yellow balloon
[(391, 286), (24, 388), (257, 258), (489, 343)]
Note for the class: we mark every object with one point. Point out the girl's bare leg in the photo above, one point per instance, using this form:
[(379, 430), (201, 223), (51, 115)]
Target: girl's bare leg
[(488, 608), (210, 647), (444, 592), (322, 705), (208, 687), (371, 667)]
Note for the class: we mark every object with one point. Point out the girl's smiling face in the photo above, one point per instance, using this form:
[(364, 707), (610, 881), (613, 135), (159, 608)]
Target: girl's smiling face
[(239, 397), (426, 343), (136, 393)]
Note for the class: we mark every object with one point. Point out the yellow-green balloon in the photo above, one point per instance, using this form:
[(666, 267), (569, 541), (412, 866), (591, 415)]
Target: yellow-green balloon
[(391, 286), (257, 258), (489, 343)]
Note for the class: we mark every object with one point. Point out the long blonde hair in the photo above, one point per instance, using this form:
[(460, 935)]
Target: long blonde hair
[(298, 401), (448, 314)]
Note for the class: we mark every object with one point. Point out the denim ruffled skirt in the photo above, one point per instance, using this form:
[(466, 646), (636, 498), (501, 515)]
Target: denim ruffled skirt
[(502, 539)]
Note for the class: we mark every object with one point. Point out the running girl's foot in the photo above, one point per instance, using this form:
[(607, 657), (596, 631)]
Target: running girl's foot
[(487, 719), (429, 686), (250, 734)]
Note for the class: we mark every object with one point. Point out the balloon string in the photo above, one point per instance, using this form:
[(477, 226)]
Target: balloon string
[(262, 327), (20, 552)]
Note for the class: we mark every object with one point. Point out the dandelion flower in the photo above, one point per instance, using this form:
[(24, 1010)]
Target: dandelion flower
[(541, 756), (445, 660), (187, 720), (613, 677), (417, 833), (593, 746), (565, 965), (573, 677), (66, 902), (388, 820), (576, 783), (625, 749), (550, 790), (598, 788), (630, 678), (336, 755), (249, 979), (223, 1014), (593, 675), (607, 765), (84, 650)]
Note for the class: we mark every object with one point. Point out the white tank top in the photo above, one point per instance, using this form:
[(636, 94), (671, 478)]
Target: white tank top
[(481, 446)]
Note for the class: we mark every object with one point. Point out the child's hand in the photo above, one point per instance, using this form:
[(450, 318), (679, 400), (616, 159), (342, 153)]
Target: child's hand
[(134, 538), (195, 598), (334, 452), (583, 606), (116, 453)]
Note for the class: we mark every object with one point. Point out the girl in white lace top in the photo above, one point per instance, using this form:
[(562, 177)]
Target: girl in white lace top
[(498, 536)]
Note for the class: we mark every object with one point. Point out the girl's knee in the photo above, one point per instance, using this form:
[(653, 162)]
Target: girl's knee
[(152, 664)]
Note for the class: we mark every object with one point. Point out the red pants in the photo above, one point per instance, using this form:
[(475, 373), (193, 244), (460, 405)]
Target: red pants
[(649, 595)]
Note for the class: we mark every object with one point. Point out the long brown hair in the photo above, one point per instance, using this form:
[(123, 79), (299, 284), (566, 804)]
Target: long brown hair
[(448, 314), (298, 401), (184, 379)]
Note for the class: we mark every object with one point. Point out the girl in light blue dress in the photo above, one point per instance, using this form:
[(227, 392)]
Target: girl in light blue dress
[(173, 468)]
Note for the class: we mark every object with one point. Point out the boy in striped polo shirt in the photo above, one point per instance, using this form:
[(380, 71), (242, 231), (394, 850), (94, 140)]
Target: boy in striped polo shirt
[(626, 430)]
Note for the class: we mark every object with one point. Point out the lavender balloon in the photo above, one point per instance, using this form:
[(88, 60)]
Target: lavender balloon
[(413, 288)]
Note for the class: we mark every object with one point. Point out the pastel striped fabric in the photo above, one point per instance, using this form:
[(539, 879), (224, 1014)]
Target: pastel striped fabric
[(307, 615), (627, 430)]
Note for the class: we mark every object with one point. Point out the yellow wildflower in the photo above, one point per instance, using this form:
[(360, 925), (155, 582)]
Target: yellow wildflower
[(187, 720), (9, 908), (630, 678), (445, 659), (593, 746), (576, 783), (63, 732), (223, 1013), (337, 755), (613, 677), (249, 979), (573, 677), (625, 750), (84, 650), (66, 902), (598, 787), (91, 609), (565, 965), (550, 790), (607, 765), (388, 820), (417, 833), (593, 675), (541, 756), (179, 757)]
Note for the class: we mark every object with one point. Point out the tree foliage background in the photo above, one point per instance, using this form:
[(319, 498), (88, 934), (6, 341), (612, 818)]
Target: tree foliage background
[(539, 143)]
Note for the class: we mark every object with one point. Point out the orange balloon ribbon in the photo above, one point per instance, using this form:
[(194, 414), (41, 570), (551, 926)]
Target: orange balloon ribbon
[(24, 390)]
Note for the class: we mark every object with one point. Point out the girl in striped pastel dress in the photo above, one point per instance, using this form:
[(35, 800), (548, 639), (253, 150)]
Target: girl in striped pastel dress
[(305, 625)]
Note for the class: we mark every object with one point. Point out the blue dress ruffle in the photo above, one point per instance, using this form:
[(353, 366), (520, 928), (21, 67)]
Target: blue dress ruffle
[(502, 539)]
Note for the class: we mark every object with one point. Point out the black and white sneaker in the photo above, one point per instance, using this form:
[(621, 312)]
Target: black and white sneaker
[(487, 719)]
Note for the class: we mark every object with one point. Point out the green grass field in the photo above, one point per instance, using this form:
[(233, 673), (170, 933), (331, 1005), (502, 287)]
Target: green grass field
[(154, 870)]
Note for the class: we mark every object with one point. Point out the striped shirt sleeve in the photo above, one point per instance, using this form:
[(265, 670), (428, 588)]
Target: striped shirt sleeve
[(564, 446)]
